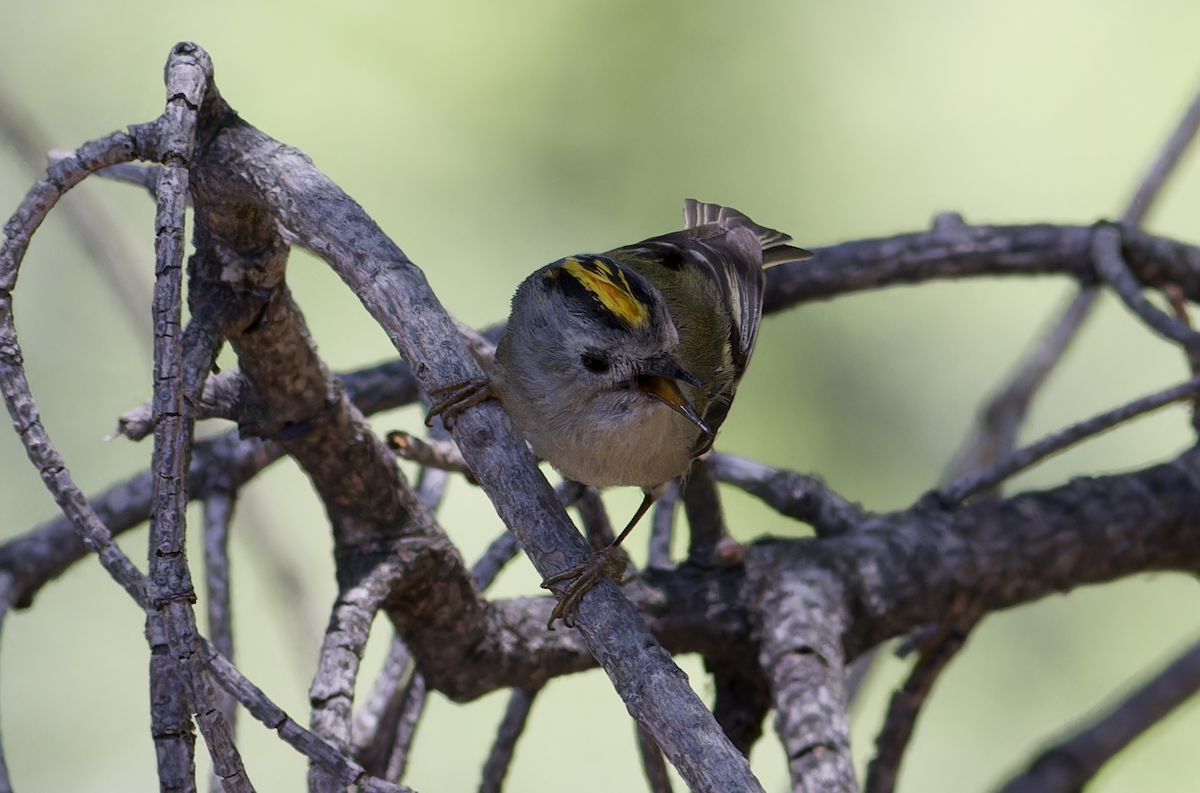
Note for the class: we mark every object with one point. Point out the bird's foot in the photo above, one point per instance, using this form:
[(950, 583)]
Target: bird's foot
[(606, 563), (457, 397)]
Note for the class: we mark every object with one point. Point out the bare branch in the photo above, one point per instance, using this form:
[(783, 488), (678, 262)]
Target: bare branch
[(893, 738), (431, 452), (802, 617), (406, 726), (170, 616), (145, 176), (118, 147), (977, 481), (958, 251), (370, 736), (997, 425), (1069, 765), (221, 398), (88, 219), (805, 498), (1164, 166), (332, 690), (431, 482), (498, 554), (272, 716), (1106, 247), (218, 514), (596, 525), (511, 727)]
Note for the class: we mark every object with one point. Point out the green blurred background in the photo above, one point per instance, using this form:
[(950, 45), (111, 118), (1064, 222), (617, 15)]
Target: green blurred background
[(488, 139)]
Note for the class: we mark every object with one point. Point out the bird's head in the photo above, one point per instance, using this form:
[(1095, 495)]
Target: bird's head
[(592, 325)]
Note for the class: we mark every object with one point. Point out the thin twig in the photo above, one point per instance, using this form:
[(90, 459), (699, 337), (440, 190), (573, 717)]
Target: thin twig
[(511, 727), (258, 705), (1002, 469), (428, 452), (221, 399), (218, 514), (906, 705), (100, 234), (332, 689), (805, 498), (383, 734), (118, 147), (995, 432), (1069, 765), (1151, 185), (23, 410), (484, 572), (1106, 249), (498, 554), (431, 483), (374, 730), (406, 728), (144, 176), (594, 517)]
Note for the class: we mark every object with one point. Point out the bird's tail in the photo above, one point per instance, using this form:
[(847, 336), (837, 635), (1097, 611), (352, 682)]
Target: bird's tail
[(774, 243)]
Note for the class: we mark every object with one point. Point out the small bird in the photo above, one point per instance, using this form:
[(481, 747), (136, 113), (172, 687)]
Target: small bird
[(619, 368)]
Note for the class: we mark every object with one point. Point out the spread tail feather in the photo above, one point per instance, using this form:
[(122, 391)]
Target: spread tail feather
[(774, 243)]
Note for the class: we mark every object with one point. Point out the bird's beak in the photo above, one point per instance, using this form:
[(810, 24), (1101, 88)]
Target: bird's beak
[(659, 380)]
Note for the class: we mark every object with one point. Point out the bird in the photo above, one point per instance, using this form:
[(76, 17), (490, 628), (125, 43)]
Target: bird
[(619, 368)]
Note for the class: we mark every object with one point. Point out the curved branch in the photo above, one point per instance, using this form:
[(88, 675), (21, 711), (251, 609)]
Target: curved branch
[(958, 251), (63, 175), (1106, 248), (805, 498)]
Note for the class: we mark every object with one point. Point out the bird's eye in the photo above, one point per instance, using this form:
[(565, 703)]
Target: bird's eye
[(595, 362)]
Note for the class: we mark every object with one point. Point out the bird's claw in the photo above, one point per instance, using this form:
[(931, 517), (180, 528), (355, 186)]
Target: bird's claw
[(605, 563), (453, 399)]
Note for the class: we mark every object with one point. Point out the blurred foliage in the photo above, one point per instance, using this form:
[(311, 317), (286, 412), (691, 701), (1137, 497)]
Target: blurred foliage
[(490, 138)]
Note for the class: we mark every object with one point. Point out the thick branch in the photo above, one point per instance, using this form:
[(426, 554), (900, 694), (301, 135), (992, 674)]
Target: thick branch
[(801, 614), (952, 251)]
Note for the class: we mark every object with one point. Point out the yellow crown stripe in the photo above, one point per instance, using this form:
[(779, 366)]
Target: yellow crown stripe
[(609, 286)]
